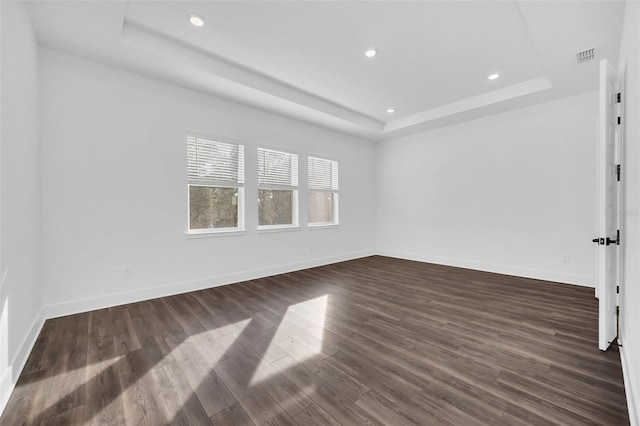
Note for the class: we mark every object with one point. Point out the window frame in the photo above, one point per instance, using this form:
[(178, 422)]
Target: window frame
[(295, 197), (334, 191), (240, 186)]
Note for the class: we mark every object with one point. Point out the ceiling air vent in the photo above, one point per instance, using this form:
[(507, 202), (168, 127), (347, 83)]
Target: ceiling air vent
[(586, 55)]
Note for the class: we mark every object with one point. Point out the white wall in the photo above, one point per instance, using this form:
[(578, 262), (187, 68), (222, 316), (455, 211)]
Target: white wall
[(512, 193), (114, 189), (20, 285), (630, 289)]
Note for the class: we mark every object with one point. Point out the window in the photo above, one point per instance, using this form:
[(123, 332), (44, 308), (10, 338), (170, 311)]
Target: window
[(277, 189), (323, 192), (216, 185)]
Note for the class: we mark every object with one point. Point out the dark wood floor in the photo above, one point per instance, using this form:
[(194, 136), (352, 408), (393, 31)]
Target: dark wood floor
[(370, 341)]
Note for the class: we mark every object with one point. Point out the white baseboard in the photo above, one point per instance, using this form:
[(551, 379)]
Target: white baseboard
[(630, 388), (12, 373), (85, 305), (10, 376), (538, 274)]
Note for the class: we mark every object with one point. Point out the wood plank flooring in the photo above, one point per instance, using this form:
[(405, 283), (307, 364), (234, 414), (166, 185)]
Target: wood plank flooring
[(371, 341)]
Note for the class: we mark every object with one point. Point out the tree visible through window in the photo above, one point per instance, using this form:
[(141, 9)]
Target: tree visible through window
[(213, 207), (277, 188), (323, 191), (216, 184), (275, 207)]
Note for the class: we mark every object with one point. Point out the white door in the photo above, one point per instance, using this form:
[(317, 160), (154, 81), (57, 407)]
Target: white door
[(607, 206)]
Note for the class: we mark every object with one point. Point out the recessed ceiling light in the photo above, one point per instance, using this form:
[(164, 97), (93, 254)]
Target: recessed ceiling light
[(196, 20), (370, 53), (391, 110), (493, 76)]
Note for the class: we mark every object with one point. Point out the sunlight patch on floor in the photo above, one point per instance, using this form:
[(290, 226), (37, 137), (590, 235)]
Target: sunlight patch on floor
[(67, 383), (292, 337), (216, 341)]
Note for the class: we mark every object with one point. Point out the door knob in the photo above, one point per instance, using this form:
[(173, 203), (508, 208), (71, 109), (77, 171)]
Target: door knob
[(616, 241)]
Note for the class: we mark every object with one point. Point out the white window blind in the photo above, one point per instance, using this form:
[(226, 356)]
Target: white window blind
[(214, 163), (323, 174), (276, 168)]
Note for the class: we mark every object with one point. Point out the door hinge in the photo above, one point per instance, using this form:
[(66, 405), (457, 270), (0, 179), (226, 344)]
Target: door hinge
[(618, 237), (618, 167), (618, 120), (619, 97), (617, 289), (618, 310)]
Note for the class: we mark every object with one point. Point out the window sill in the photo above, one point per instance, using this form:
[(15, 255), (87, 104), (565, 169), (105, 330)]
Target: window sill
[(210, 234), (277, 228), (315, 226)]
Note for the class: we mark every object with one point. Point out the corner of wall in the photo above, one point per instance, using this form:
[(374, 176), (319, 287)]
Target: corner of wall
[(10, 376), (629, 72), (21, 299), (630, 387)]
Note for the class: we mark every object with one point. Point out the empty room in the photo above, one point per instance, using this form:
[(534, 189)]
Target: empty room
[(320, 212)]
